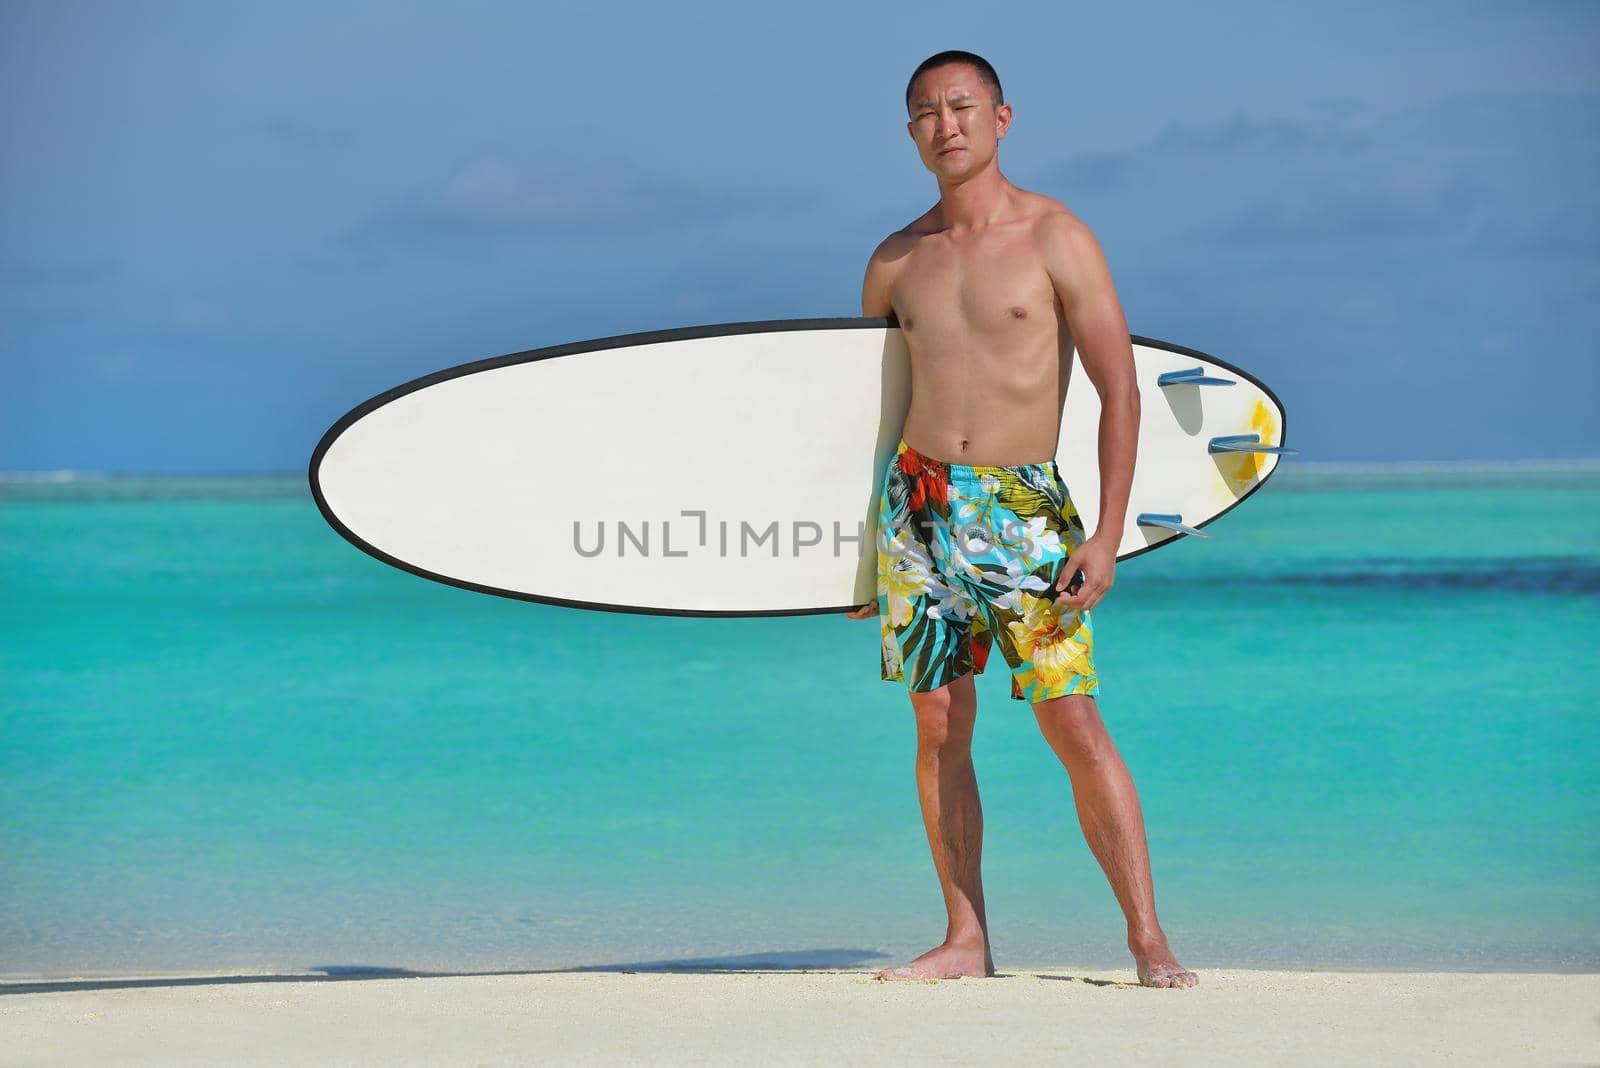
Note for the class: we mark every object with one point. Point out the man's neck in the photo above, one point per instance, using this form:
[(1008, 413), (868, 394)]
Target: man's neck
[(974, 203)]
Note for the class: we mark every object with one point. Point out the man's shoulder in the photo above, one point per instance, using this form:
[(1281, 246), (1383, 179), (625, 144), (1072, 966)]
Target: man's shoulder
[(893, 250), (905, 238), (896, 242), (1051, 218), (1060, 236)]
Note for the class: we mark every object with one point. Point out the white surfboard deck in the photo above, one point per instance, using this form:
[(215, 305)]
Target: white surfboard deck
[(728, 470)]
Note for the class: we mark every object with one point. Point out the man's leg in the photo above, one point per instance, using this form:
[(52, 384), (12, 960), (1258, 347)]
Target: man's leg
[(1113, 825), (947, 786)]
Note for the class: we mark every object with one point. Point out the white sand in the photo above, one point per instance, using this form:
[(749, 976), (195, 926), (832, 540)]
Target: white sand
[(1065, 1016)]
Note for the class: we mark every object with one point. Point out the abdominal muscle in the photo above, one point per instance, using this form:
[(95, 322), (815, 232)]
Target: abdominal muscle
[(986, 405)]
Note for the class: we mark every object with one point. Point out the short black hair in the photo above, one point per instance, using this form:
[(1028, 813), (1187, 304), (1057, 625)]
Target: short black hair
[(986, 72)]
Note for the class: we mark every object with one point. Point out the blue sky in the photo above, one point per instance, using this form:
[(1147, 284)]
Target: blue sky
[(224, 225)]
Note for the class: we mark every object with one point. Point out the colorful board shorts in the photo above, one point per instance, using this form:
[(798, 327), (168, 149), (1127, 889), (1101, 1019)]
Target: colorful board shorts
[(968, 556)]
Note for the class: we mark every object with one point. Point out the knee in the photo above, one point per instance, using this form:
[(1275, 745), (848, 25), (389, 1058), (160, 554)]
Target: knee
[(1073, 723), (944, 722)]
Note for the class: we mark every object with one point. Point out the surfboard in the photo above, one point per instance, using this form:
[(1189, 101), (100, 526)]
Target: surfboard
[(731, 469)]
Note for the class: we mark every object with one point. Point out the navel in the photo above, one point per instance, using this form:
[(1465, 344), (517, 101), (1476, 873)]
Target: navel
[(908, 322), (1019, 312)]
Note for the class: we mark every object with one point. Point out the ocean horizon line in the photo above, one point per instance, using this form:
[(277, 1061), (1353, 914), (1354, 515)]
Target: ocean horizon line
[(1315, 467)]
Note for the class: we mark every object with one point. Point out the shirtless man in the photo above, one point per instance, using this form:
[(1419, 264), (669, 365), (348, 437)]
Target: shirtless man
[(991, 288)]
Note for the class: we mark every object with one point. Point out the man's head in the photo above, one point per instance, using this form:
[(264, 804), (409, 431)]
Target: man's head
[(981, 66), (957, 113)]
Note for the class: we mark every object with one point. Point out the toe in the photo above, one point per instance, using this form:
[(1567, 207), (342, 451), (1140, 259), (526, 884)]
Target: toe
[(1172, 978)]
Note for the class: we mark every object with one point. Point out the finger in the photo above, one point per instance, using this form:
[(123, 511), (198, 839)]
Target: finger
[(1068, 569), (1064, 582), (1081, 599)]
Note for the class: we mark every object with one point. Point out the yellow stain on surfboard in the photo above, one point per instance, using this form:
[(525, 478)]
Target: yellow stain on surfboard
[(1241, 470)]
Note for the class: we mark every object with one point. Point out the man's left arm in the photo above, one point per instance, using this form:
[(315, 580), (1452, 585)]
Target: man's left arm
[(1082, 281)]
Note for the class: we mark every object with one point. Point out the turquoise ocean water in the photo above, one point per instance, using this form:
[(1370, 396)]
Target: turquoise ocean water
[(1361, 718)]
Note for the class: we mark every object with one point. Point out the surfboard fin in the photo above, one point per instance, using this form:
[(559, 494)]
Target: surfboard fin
[(1246, 443), (1170, 522), (1194, 376)]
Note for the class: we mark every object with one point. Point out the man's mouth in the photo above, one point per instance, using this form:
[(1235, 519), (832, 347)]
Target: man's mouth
[(956, 148)]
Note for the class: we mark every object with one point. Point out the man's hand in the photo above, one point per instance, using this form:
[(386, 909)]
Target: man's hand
[(1097, 557), (865, 611)]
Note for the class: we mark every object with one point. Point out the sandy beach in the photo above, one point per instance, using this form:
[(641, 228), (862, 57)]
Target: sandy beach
[(1235, 1017)]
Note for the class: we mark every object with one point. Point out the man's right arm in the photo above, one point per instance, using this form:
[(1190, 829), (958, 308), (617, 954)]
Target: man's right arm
[(875, 290), (879, 281)]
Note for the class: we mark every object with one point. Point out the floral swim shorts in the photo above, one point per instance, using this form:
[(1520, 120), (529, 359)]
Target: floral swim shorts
[(968, 556)]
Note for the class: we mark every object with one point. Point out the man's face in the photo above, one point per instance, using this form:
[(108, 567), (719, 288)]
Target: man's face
[(954, 121)]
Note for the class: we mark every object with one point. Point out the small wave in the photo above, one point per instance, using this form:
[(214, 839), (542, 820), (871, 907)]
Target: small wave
[(30, 478), (68, 485)]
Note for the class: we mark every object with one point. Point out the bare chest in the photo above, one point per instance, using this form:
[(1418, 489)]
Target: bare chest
[(995, 290)]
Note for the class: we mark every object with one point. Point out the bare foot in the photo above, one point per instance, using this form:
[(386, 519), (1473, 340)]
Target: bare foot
[(1156, 966), (945, 961)]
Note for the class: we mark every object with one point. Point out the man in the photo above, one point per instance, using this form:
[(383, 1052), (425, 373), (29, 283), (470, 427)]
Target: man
[(979, 541)]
